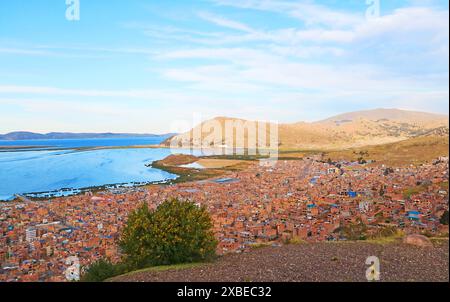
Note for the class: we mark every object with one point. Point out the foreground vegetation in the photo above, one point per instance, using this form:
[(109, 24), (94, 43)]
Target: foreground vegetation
[(175, 233)]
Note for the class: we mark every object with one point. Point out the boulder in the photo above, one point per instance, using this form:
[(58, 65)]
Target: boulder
[(418, 240)]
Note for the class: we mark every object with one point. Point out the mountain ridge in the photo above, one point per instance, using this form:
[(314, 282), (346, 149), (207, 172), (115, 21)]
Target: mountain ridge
[(348, 130), (387, 113)]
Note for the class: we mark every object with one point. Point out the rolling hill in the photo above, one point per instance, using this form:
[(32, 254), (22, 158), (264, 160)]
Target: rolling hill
[(349, 130), (416, 150)]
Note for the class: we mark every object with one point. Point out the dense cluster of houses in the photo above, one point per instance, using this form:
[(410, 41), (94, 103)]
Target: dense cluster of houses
[(308, 200)]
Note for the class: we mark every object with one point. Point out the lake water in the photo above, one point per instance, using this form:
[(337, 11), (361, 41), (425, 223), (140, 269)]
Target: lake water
[(81, 143), (40, 170)]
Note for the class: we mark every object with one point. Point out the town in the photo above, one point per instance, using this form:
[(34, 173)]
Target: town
[(304, 200)]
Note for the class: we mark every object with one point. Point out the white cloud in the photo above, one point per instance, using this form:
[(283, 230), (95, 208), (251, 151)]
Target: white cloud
[(311, 14), (145, 94), (224, 22), (333, 60), (252, 67), (18, 51), (406, 20)]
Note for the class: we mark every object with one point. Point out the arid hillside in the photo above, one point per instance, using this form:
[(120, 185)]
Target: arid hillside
[(417, 150), (350, 130), (311, 262)]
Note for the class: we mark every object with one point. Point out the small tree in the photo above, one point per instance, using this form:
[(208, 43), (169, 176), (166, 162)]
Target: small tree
[(354, 231), (102, 270), (176, 232), (444, 218)]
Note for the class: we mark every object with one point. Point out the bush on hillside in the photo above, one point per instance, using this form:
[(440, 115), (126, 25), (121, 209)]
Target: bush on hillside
[(354, 231), (444, 218), (176, 232), (102, 270)]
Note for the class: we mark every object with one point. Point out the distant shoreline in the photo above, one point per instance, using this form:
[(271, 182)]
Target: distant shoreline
[(22, 147), (51, 148), (29, 136)]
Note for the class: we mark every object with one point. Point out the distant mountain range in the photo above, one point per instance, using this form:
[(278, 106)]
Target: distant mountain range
[(23, 135), (355, 129)]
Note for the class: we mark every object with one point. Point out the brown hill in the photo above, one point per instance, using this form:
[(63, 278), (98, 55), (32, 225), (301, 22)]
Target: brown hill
[(416, 150), (349, 130), (390, 114), (178, 159)]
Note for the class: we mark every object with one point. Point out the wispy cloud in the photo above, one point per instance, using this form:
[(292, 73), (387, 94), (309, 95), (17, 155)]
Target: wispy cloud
[(305, 61), (310, 13), (33, 52), (224, 22)]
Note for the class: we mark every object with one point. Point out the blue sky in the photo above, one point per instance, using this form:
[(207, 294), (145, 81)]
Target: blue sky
[(146, 66)]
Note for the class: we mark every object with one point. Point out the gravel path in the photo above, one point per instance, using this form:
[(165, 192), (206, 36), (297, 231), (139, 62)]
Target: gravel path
[(315, 262)]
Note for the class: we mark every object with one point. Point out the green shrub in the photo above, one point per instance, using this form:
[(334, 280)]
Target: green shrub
[(102, 270), (444, 218), (354, 231), (387, 231), (176, 232)]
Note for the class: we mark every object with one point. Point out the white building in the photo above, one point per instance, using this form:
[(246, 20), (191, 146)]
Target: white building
[(30, 235)]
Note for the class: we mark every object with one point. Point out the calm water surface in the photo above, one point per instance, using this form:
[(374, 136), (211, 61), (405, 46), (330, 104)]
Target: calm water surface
[(90, 142), (40, 170)]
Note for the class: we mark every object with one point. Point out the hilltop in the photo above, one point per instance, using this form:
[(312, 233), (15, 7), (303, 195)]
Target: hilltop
[(349, 130), (398, 115)]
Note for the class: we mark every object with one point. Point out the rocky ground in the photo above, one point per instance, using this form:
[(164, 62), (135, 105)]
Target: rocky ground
[(315, 262)]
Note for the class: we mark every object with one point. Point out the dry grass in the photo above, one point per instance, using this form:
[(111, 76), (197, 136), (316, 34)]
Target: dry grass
[(178, 159), (218, 163), (412, 151), (172, 164)]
